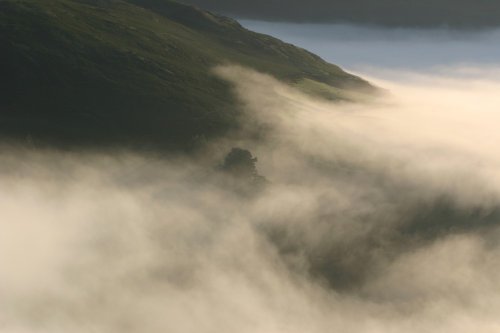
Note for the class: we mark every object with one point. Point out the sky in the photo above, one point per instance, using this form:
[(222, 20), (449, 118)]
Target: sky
[(362, 48)]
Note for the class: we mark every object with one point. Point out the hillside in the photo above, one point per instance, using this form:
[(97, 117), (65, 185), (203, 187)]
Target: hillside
[(461, 14), (132, 72)]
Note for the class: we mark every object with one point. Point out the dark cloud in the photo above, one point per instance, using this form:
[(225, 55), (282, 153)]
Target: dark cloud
[(457, 13)]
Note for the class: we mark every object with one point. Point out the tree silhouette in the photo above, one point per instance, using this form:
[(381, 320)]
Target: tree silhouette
[(240, 165), (240, 162)]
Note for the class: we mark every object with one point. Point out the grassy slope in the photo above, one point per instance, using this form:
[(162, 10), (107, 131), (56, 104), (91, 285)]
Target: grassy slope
[(131, 72)]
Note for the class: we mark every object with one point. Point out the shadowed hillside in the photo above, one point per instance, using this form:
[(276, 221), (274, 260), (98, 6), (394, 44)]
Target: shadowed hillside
[(134, 73)]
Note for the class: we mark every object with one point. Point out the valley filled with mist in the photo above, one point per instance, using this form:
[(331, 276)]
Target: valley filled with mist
[(365, 214)]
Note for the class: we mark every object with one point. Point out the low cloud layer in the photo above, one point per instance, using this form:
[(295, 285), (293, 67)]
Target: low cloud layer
[(377, 217), (464, 14)]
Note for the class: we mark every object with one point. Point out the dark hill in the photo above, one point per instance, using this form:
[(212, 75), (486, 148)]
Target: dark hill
[(130, 72)]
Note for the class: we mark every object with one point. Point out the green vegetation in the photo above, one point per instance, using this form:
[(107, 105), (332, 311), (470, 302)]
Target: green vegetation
[(133, 73)]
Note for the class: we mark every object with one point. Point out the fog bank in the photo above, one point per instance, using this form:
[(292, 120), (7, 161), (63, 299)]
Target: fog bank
[(377, 217)]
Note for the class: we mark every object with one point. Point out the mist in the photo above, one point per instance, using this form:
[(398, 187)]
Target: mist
[(379, 216)]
